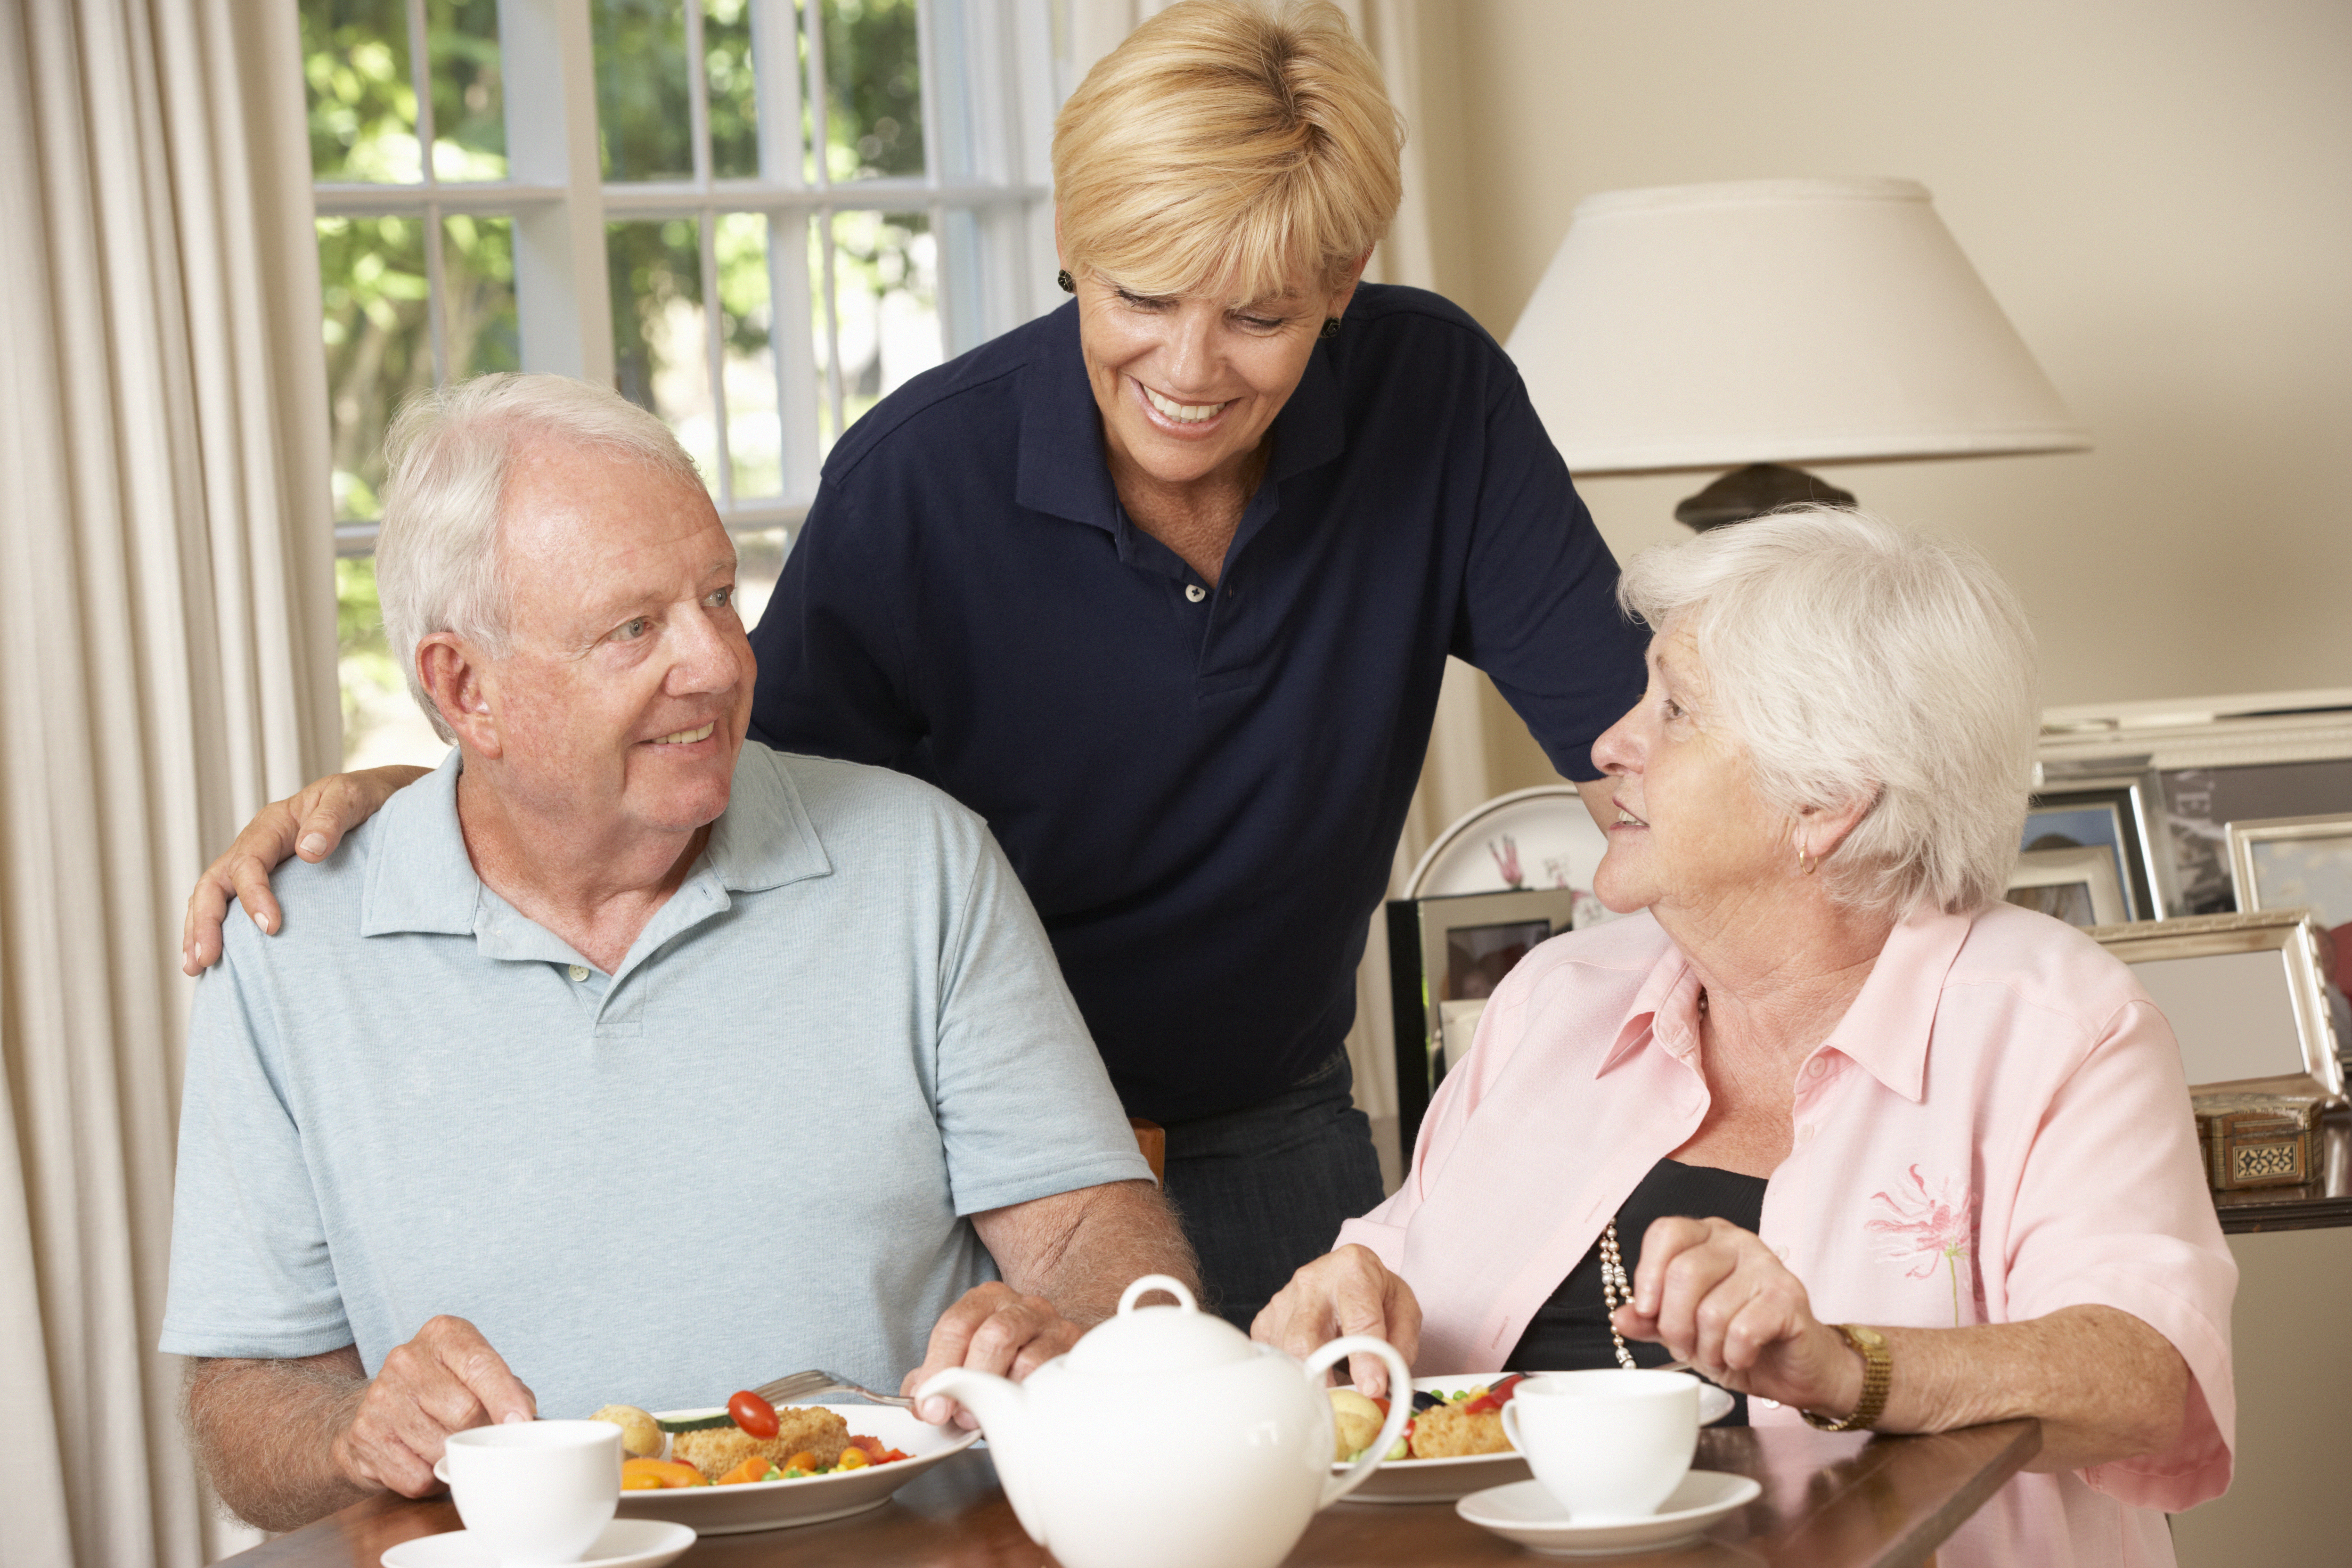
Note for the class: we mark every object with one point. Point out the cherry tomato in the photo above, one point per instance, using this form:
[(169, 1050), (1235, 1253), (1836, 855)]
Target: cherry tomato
[(752, 1413), (1495, 1398)]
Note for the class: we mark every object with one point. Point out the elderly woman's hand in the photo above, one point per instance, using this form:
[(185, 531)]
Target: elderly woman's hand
[(1349, 1292), (1717, 1297)]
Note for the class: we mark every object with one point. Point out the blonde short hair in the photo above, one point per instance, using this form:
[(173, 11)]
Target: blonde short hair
[(1228, 145), (446, 458), (1854, 660)]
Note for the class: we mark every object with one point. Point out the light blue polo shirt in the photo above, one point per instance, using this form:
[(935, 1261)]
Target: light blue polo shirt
[(750, 1149)]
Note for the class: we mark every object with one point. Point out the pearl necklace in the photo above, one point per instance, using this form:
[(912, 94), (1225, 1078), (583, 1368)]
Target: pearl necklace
[(1612, 1285)]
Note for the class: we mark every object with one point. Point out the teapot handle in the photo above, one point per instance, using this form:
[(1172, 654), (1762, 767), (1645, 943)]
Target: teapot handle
[(1399, 1407), (1150, 1282)]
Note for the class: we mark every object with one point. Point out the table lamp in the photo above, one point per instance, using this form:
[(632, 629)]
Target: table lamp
[(1772, 323)]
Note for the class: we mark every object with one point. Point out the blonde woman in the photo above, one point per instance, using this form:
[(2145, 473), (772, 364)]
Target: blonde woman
[(1164, 584)]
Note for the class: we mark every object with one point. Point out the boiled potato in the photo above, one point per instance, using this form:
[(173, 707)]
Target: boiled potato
[(641, 1436), (1355, 1422)]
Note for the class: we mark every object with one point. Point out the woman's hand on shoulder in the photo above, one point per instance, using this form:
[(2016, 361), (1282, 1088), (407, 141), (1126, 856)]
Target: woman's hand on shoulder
[(310, 823), (1718, 1298), (1349, 1292)]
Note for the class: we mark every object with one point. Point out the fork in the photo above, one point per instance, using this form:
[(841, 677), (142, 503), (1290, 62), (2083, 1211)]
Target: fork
[(800, 1386)]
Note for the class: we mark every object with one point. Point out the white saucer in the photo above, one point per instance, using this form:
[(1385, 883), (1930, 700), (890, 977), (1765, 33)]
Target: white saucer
[(1531, 1516), (624, 1543)]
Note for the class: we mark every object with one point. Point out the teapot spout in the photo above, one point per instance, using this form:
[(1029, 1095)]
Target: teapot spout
[(1002, 1406)]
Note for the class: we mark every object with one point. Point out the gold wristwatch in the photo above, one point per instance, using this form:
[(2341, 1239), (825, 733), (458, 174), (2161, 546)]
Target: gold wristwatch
[(1877, 1367)]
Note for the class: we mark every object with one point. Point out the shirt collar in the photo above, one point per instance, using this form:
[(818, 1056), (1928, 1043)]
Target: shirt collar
[(1062, 470), (1887, 1027), (420, 877), (1886, 1031)]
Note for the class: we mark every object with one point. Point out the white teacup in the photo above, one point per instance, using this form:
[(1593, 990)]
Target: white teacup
[(536, 1492), (1608, 1445)]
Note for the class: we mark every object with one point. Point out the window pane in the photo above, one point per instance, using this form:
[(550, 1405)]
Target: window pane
[(378, 342), (469, 120), (642, 108), (758, 561), (478, 311), (382, 723), (873, 83), (885, 292), (659, 352), (362, 109), (755, 434), (734, 101)]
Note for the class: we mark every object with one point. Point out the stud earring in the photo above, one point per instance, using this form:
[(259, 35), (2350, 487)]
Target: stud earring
[(1064, 278), (1331, 327)]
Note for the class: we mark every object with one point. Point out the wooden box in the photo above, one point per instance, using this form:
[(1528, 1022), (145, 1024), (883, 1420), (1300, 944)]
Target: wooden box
[(2258, 1140)]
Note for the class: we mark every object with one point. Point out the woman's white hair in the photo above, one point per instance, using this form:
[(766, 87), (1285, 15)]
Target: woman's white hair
[(1854, 660), (445, 459)]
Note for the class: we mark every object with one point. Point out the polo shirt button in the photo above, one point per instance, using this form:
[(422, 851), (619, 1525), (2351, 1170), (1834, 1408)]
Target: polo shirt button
[(1195, 592), (1815, 1068), (578, 972), (1805, 1133)]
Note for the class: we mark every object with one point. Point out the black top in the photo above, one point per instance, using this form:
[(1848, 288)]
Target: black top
[(1201, 790), (1571, 1331)]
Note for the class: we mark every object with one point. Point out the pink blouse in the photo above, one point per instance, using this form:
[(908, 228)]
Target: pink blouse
[(1997, 1129)]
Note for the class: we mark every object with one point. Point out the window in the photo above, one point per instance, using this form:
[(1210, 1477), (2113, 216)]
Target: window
[(755, 217)]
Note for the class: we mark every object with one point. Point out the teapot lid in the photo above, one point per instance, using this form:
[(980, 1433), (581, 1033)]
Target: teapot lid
[(1182, 1338)]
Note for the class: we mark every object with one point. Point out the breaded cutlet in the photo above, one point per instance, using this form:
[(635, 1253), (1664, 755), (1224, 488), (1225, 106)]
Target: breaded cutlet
[(721, 1448), (1448, 1432)]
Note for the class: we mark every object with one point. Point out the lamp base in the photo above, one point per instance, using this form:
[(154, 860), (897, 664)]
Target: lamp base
[(1755, 490)]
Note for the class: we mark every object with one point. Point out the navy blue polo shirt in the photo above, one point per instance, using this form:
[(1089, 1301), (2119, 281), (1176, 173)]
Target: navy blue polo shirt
[(1201, 789)]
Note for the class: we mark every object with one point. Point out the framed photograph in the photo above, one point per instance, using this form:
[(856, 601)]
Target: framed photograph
[(2244, 995), (2291, 862), (2123, 813), (2201, 803), (2077, 885), (1447, 955)]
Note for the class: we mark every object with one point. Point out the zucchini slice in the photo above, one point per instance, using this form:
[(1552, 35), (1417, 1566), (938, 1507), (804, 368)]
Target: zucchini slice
[(697, 1424)]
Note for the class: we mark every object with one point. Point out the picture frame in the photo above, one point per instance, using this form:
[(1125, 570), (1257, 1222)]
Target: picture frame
[(1446, 955), (2123, 812), (2078, 885), (2291, 862), (2244, 995)]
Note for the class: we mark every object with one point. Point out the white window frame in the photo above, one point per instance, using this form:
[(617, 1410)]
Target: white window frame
[(992, 81)]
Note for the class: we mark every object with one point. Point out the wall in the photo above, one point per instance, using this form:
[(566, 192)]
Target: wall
[(2158, 191)]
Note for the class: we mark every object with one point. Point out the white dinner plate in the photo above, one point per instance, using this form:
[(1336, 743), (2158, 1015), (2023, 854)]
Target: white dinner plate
[(1444, 1480), (1525, 1512), (624, 1543), (808, 1499)]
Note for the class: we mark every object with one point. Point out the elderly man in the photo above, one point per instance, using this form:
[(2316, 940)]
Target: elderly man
[(620, 1060)]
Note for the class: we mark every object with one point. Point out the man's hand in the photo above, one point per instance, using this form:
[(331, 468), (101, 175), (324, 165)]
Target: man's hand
[(994, 1328), (1349, 1292), (447, 1379), (310, 823), (1719, 1299)]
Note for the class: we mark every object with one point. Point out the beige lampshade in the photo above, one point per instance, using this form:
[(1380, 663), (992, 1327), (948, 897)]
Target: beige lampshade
[(1775, 322)]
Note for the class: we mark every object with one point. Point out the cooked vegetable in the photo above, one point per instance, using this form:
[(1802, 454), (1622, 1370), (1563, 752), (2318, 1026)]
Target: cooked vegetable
[(641, 1435), (699, 1423), (852, 1459), (754, 1469), (803, 1460), (645, 1475), (752, 1413), (1355, 1422)]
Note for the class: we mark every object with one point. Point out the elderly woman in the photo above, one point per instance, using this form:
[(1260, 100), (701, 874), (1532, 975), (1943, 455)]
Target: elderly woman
[(1828, 1078), (1163, 585)]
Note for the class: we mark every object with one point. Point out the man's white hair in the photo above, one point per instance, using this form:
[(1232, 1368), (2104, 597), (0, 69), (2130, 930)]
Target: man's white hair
[(446, 458), (1854, 660)]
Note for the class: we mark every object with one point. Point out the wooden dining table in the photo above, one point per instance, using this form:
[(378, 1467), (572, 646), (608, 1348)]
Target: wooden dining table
[(1829, 1501)]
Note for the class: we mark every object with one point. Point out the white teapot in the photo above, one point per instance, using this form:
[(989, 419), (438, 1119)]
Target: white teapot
[(1165, 1438)]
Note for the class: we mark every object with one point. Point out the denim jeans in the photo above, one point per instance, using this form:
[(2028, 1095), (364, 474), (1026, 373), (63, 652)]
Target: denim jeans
[(1263, 1189)]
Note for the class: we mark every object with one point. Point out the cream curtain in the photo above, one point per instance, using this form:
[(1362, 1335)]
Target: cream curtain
[(167, 663), (1457, 775)]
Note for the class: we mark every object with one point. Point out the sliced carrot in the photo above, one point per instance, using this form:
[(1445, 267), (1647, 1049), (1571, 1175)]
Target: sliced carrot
[(803, 1460), (754, 1469), (643, 1475)]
